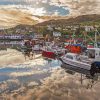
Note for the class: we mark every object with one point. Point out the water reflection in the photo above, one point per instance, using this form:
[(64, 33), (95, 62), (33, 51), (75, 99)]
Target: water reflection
[(25, 73), (9, 44)]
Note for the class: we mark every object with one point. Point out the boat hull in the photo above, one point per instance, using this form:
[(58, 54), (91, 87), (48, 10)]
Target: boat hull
[(75, 69), (48, 54)]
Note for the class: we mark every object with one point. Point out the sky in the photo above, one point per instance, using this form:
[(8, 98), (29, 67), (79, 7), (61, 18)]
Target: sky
[(59, 7)]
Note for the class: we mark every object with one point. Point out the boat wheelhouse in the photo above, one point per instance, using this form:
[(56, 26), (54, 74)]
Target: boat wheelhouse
[(94, 53), (75, 48)]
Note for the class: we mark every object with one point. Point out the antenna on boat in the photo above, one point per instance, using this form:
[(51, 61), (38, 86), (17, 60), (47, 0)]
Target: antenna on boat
[(95, 44), (96, 33), (73, 35)]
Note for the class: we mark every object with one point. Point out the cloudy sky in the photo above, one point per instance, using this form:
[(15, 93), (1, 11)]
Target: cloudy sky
[(59, 7)]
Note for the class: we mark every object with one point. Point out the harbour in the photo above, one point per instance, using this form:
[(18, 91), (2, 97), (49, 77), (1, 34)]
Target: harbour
[(49, 50)]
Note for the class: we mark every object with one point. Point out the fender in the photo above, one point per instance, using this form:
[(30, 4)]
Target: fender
[(95, 68), (97, 63)]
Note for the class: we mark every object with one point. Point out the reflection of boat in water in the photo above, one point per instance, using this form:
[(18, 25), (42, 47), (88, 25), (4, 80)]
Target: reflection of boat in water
[(83, 64)]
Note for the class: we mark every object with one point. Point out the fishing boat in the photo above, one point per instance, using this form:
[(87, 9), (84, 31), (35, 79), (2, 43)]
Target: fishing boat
[(74, 48), (52, 51), (85, 64), (49, 53)]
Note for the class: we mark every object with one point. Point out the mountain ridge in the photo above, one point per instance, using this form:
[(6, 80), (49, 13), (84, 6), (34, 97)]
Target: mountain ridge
[(73, 20)]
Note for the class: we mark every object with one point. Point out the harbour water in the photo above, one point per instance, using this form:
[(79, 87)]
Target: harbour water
[(33, 70), (39, 78)]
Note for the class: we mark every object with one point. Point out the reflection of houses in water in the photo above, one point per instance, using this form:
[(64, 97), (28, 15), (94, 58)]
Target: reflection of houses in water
[(9, 44), (15, 40), (11, 40)]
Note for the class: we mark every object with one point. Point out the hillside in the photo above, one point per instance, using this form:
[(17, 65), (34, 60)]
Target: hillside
[(26, 25), (84, 19)]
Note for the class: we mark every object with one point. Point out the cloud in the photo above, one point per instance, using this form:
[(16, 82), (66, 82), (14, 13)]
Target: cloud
[(79, 7), (59, 86), (56, 13), (64, 7), (38, 11), (39, 7)]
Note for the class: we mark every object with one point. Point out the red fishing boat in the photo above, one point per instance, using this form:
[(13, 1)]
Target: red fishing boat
[(53, 52), (49, 53)]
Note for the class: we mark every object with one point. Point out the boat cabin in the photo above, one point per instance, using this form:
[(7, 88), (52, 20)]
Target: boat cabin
[(77, 57), (74, 48), (94, 53), (71, 56)]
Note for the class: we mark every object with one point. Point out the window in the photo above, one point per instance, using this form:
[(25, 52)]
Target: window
[(69, 57), (91, 53)]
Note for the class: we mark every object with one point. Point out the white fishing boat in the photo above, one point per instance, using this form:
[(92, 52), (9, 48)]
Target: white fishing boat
[(85, 64)]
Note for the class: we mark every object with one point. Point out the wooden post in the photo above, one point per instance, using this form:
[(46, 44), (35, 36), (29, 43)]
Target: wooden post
[(81, 79)]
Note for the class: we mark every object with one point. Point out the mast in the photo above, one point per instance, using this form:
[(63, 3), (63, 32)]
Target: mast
[(96, 33), (95, 44)]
